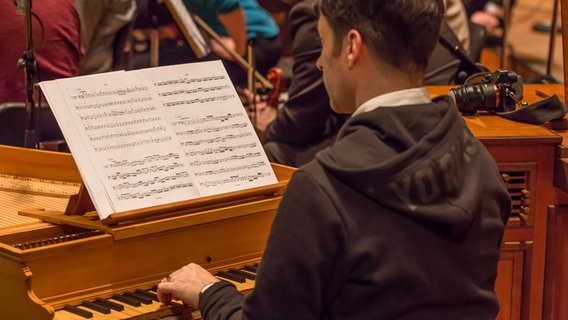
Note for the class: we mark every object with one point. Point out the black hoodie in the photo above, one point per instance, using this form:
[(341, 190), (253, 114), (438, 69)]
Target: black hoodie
[(401, 219)]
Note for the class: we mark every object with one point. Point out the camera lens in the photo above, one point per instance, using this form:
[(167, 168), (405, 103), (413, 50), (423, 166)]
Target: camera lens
[(470, 98)]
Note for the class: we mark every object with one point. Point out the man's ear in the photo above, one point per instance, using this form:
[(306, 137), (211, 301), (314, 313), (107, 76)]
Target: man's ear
[(354, 44)]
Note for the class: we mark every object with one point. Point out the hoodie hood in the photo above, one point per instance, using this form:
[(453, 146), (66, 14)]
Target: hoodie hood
[(414, 166)]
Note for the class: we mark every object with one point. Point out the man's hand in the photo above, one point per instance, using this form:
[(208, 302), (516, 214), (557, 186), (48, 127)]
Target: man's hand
[(490, 21), (185, 284), (261, 114)]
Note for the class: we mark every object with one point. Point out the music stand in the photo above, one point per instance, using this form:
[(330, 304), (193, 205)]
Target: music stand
[(564, 17), (553, 27), (29, 64)]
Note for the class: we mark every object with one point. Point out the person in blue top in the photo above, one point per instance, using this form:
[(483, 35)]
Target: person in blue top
[(239, 22)]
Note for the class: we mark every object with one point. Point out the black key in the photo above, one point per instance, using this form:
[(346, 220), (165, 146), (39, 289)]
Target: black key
[(80, 312), (141, 298), (231, 276), (148, 294), (110, 304), (128, 300), (242, 273), (96, 307), (250, 269)]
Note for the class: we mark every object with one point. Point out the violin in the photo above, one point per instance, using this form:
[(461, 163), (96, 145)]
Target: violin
[(276, 78)]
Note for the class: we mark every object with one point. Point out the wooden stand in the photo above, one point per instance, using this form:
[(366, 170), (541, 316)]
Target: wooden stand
[(81, 203), (525, 155)]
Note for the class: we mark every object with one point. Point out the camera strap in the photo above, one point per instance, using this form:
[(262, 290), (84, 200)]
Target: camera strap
[(547, 109)]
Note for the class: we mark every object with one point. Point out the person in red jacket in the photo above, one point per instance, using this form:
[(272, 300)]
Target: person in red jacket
[(56, 44)]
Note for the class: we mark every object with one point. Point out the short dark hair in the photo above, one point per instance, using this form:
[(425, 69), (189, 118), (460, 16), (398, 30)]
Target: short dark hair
[(402, 32)]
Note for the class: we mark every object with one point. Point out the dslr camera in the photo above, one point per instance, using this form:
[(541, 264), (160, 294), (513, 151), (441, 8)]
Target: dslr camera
[(498, 91)]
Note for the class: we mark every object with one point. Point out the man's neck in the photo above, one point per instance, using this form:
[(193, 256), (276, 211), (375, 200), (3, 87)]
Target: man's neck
[(379, 81)]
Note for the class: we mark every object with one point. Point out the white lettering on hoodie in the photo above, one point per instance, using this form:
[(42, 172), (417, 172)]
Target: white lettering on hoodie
[(444, 173)]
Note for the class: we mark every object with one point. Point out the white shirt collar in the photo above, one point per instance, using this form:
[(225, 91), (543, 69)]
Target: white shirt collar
[(395, 99)]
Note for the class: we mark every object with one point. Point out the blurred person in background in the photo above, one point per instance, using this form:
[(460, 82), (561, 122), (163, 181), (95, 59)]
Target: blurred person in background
[(102, 23), (56, 44)]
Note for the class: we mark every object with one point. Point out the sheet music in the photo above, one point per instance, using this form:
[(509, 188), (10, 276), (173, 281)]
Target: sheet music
[(218, 139), (159, 135)]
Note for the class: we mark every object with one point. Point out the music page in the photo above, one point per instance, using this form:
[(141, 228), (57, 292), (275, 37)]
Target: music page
[(160, 135), (211, 126)]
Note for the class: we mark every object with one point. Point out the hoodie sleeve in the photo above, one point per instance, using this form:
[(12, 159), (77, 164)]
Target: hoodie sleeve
[(221, 301), (306, 238)]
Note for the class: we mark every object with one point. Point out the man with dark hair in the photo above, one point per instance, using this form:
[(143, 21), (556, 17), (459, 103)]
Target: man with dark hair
[(305, 124), (401, 218)]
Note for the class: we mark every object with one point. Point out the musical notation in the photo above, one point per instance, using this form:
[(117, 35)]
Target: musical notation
[(144, 171), (213, 172), (128, 133), (221, 149), (219, 139), (120, 124), (117, 113), (126, 145), (113, 103), (153, 192), (234, 179), (152, 181), (199, 100), (113, 163), (209, 130), (187, 80), (84, 94), (231, 158), (209, 118), (193, 91)]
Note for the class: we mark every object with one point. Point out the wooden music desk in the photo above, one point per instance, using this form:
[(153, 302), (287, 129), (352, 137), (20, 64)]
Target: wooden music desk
[(525, 155)]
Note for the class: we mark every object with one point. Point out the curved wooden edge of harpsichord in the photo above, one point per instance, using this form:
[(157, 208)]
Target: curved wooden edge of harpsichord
[(16, 299)]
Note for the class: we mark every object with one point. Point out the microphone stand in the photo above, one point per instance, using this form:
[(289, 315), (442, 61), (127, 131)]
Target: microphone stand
[(506, 25), (552, 38), (467, 67), (29, 64)]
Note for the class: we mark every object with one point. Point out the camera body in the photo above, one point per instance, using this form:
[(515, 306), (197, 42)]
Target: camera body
[(497, 91)]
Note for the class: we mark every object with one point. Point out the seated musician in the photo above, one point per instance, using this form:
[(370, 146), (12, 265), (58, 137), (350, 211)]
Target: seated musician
[(305, 124), (401, 218)]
